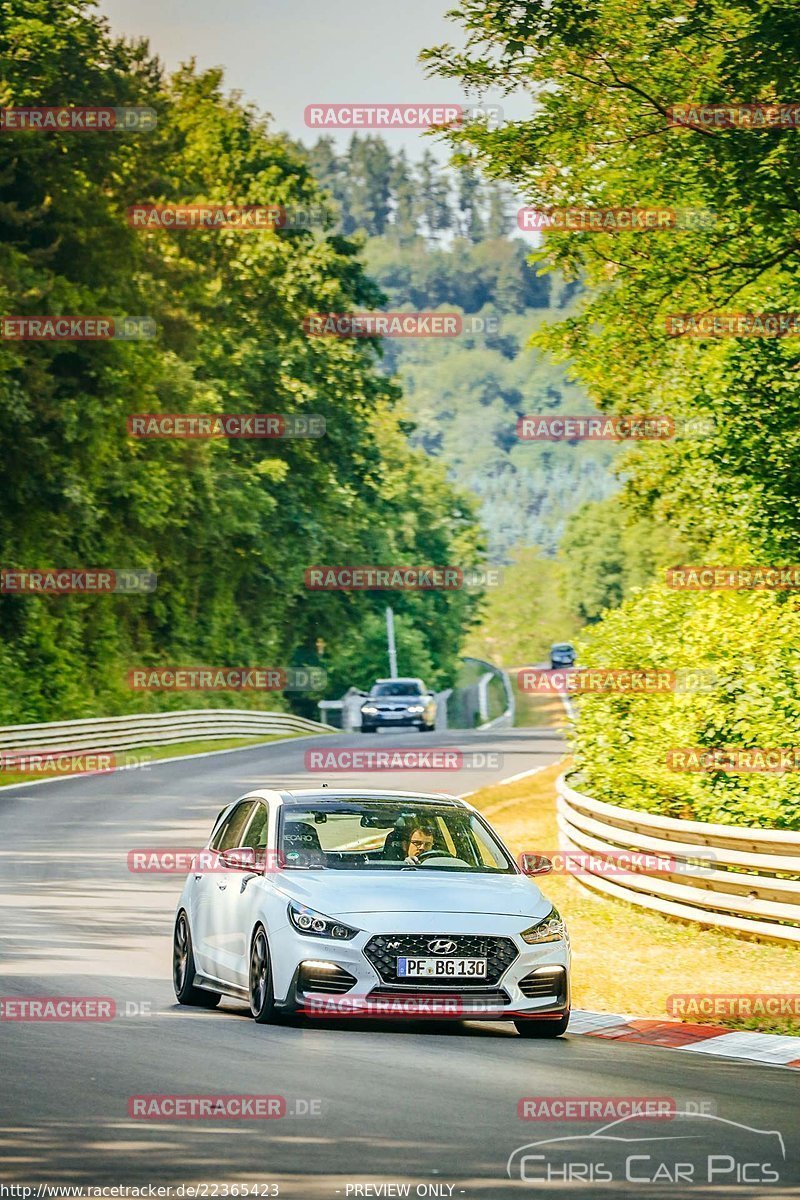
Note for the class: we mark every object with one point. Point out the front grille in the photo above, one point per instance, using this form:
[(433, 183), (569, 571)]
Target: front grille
[(333, 983), (384, 950), (542, 983)]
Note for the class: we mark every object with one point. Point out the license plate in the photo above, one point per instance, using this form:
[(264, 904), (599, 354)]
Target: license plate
[(393, 716), (449, 968)]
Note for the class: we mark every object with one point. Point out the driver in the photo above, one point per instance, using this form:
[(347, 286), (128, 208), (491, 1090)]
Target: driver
[(421, 837)]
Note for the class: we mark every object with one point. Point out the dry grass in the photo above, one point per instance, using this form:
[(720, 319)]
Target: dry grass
[(532, 711), (628, 960)]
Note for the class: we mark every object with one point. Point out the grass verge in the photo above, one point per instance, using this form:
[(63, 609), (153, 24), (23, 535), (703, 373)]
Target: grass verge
[(534, 711), (628, 960), (143, 755)]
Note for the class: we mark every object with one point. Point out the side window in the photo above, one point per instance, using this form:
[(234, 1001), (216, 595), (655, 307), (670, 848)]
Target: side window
[(231, 831), (256, 835)]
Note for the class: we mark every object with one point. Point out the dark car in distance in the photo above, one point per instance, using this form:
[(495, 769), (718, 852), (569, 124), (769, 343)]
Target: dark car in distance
[(562, 654), (398, 702)]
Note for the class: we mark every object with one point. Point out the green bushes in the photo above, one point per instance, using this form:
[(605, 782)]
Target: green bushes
[(749, 641)]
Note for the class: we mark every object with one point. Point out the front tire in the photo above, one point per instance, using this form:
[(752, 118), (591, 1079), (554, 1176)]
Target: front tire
[(262, 996), (533, 1027), (183, 969)]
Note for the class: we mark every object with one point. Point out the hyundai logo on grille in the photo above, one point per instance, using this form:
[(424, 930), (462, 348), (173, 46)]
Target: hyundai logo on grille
[(442, 946)]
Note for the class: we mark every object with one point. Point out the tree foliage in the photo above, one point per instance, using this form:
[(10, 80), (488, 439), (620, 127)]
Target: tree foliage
[(228, 526), (603, 77)]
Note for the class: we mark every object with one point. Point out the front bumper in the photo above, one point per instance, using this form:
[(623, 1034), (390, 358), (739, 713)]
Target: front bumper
[(523, 981), (404, 722)]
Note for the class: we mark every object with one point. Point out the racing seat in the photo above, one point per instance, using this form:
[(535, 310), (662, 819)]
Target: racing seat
[(394, 848), (301, 846)]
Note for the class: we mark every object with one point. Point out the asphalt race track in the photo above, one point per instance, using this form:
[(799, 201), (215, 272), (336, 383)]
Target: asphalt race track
[(421, 1104)]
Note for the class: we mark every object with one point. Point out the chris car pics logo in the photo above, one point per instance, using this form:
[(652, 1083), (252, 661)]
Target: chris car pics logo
[(700, 1149)]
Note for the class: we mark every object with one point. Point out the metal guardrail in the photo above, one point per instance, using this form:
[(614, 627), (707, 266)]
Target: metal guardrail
[(153, 729), (506, 718), (735, 878)]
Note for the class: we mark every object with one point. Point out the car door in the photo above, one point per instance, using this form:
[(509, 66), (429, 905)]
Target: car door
[(236, 898), (211, 882)]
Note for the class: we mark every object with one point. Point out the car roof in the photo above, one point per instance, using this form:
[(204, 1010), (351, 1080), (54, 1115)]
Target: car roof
[(401, 679), (321, 795)]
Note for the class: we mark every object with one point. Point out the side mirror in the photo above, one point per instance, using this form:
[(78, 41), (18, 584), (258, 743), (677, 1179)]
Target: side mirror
[(239, 858), (534, 864)]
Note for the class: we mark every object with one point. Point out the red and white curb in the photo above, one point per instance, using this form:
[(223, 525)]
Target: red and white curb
[(774, 1049)]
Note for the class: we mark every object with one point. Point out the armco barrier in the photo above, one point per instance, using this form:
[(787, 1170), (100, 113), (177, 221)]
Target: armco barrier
[(491, 673), (153, 729), (736, 878)]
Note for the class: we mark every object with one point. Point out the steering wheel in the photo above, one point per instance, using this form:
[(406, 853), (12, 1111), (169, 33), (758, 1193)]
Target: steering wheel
[(432, 853)]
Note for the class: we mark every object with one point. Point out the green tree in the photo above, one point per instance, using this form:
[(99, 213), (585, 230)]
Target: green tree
[(524, 614), (470, 203), (229, 526), (606, 552), (434, 196), (404, 224), (604, 78)]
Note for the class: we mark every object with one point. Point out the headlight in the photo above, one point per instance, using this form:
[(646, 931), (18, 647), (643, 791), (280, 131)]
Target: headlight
[(369, 709), (314, 924), (416, 708), (550, 929)]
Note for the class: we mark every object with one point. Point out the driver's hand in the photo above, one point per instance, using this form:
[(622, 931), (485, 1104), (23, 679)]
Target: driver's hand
[(411, 860)]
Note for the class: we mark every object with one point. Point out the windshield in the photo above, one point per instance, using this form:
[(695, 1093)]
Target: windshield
[(389, 835), (397, 687)]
